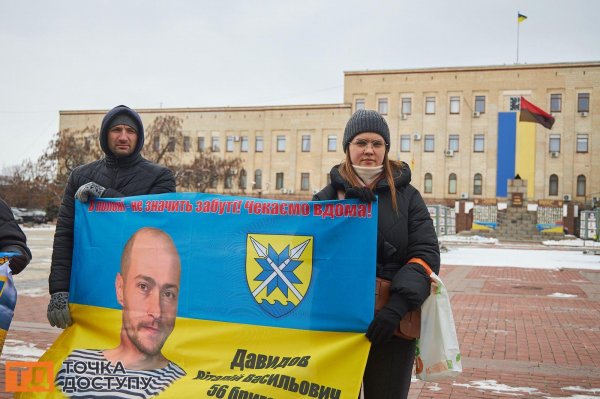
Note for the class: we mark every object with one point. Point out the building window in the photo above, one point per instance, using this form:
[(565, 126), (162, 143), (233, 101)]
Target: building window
[(171, 144), (405, 143), (259, 144), (430, 105), (429, 145), (452, 183), (280, 143), (304, 181), (257, 179), (581, 186), (553, 185), (229, 144), (454, 104), (228, 179), (214, 144), (554, 143), (453, 142), (279, 180), (156, 143), (200, 144), (332, 143), (214, 180), (186, 144), (480, 104), (244, 144), (555, 102), (478, 143), (477, 184), (243, 179), (583, 102), (582, 143), (514, 104), (428, 183), (382, 106), (359, 104), (406, 106), (306, 143), (87, 144)]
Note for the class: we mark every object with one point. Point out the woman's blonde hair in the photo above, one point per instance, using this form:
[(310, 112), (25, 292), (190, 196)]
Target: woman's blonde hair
[(389, 167)]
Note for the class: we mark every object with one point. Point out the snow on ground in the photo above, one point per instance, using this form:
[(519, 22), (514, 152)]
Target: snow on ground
[(38, 227), (495, 387), (561, 295), (527, 258), (467, 239), (21, 351), (571, 242), (576, 242)]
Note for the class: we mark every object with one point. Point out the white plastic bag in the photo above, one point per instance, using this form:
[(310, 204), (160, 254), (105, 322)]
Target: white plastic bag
[(437, 355)]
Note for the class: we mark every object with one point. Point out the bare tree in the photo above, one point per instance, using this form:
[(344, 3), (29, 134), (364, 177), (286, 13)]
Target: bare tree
[(164, 137), (67, 150), (41, 184)]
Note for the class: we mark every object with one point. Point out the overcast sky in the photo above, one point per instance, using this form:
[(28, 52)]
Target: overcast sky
[(73, 54)]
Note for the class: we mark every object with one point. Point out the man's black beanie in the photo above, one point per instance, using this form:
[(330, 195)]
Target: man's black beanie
[(366, 121)]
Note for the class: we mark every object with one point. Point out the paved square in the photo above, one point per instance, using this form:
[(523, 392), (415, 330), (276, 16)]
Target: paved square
[(522, 332)]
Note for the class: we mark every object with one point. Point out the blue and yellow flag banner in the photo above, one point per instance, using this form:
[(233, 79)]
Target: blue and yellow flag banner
[(198, 295), (516, 153), (521, 17), (8, 295)]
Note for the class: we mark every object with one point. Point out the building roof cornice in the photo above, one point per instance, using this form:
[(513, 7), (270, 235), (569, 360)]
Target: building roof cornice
[(506, 67), (266, 108)]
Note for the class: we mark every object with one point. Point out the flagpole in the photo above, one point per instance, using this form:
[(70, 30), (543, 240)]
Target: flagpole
[(518, 26)]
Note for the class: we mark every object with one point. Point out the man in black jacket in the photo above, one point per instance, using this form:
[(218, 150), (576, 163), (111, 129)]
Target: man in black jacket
[(122, 172), (12, 239)]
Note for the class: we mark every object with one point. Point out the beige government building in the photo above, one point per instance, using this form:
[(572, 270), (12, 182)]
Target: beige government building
[(457, 128)]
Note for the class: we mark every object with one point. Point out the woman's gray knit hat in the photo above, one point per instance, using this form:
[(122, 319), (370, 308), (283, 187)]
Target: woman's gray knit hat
[(363, 121)]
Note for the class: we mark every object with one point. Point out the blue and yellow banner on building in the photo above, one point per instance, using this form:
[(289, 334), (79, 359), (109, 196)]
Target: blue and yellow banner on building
[(198, 295), (516, 152)]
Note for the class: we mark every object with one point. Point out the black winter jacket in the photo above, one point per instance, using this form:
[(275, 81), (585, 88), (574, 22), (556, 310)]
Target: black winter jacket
[(402, 235), (122, 177), (12, 238)]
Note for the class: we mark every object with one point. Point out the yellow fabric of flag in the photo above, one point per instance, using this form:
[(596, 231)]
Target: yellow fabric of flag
[(521, 17)]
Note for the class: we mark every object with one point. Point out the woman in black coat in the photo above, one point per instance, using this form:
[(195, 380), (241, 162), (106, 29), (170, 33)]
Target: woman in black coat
[(407, 246)]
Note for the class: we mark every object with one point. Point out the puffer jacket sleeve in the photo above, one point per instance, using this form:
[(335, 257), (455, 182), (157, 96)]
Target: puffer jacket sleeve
[(12, 238), (62, 253), (164, 183), (411, 284)]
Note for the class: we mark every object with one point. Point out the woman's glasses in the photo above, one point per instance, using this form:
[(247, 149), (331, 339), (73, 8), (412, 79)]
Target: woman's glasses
[(376, 144)]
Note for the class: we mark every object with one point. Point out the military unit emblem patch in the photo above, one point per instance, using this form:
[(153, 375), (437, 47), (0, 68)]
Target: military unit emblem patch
[(278, 270)]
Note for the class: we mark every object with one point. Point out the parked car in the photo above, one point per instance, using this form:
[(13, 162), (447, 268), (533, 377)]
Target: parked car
[(18, 215), (34, 216)]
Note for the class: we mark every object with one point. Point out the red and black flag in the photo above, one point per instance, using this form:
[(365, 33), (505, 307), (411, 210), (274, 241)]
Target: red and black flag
[(531, 113)]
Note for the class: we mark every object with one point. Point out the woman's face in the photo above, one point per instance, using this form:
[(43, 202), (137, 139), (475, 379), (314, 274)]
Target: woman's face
[(367, 149)]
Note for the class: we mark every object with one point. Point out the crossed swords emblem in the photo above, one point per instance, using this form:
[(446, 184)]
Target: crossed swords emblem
[(294, 254)]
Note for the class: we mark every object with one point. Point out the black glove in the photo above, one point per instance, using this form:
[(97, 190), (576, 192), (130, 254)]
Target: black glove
[(88, 191), (17, 263), (58, 310), (362, 193), (383, 326)]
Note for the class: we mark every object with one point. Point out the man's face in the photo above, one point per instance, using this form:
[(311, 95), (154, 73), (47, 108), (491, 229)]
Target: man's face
[(122, 140), (149, 292)]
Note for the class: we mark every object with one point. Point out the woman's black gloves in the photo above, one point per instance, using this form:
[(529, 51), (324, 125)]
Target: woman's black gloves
[(383, 326)]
